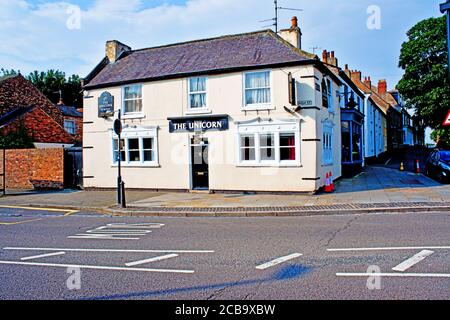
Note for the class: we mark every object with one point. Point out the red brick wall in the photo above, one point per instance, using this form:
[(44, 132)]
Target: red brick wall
[(29, 168), (41, 127)]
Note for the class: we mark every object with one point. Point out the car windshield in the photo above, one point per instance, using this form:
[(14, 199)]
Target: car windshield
[(445, 156)]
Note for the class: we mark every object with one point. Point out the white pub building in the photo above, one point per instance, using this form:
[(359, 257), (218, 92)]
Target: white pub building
[(246, 112)]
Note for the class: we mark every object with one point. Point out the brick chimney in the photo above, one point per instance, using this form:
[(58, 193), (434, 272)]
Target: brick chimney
[(355, 75), (293, 35), (114, 49), (329, 58), (368, 82), (382, 86)]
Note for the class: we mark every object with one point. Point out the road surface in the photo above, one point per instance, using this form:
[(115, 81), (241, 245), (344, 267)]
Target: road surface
[(53, 254)]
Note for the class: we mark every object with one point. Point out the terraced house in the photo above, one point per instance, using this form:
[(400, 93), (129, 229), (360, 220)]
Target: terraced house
[(245, 112)]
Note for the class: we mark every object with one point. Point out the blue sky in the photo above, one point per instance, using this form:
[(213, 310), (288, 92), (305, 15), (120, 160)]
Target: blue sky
[(34, 33)]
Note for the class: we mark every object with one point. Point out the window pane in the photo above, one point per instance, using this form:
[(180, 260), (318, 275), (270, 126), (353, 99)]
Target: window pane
[(287, 139), (257, 80), (198, 100), (257, 96), (133, 144), (266, 140), (248, 141), (148, 155), (133, 106), (197, 84), (248, 154), (287, 154), (133, 92), (267, 154), (134, 156), (148, 143)]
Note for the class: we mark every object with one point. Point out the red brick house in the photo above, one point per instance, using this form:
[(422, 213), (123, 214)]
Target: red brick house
[(22, 105)]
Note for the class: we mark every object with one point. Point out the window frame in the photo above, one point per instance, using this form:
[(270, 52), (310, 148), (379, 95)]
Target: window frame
[(73, 122), (139, 134), (257, 106), (190, 109), (131, 115), (277, 129)]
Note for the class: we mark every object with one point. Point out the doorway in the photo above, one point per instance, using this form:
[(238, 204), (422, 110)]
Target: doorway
[(199, 163)]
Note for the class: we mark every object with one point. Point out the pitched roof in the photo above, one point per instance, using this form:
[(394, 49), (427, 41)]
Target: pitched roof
[(373, 92), (17, 92), (70, 111), (13, 114), (248, 50)]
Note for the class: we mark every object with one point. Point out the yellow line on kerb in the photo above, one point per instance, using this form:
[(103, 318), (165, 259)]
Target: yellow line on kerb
[(66, 213)]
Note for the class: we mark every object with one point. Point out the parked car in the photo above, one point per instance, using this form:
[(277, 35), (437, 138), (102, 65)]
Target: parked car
[(438, 165)]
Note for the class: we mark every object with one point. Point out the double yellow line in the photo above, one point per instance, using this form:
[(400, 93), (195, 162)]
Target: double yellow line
[(66, 213)]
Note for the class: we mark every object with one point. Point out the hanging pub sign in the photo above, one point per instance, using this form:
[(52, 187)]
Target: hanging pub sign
[(198, 124), (105, 105)]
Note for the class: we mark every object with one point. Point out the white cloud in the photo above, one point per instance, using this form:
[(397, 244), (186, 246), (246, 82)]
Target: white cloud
[(36, 36)]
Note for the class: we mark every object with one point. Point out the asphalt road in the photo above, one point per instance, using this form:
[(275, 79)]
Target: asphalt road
[(223, 258)]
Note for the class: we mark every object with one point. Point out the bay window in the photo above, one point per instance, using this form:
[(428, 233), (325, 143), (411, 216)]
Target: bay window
[(257, 88), (197, 93), (269, 143), (132, 99), (137, 148)]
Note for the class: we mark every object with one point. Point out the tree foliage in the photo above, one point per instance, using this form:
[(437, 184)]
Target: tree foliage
[(51, 82), (425, 85), (18, 139)]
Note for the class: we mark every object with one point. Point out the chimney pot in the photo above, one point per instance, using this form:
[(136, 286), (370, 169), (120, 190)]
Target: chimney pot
[(325, 56), (382, 86), (294, 22)]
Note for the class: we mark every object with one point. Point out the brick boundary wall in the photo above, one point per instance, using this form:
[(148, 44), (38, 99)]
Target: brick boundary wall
[(34, 168)]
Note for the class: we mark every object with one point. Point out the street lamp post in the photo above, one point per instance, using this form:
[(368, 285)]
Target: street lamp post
[(445, 8)]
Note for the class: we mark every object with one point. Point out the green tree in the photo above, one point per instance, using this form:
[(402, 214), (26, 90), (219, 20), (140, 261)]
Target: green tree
[(18, 139), (425, 85)]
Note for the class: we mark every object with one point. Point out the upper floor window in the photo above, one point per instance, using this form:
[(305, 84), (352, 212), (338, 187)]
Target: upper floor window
[(69, 126), (257, 88), (197, 93), (132, 99)]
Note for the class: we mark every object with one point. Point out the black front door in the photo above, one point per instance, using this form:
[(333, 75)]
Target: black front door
[(200, 168)]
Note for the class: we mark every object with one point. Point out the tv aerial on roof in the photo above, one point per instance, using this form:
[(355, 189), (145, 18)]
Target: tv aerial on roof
[(275, 19)]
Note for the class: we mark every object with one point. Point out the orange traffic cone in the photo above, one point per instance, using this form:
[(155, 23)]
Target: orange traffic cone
[(417, 166), (327, 188), (331, 182)]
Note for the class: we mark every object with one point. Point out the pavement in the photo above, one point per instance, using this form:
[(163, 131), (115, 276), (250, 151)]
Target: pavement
[(46, 254), (376, 189)]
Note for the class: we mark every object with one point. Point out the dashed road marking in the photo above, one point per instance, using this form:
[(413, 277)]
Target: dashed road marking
[(390, 248), (43, 255), (405, 265), (107, 250), (393, 275), (95, 267), (119, 231), (278, 261), (136, 263)]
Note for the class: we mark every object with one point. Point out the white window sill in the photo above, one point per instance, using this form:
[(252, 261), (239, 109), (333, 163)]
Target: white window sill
[(133, 116), (198, 111), (258, 107), (136, 165), (269, 165)]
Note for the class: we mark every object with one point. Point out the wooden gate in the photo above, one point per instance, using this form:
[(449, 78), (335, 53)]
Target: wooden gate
[(73, 168)]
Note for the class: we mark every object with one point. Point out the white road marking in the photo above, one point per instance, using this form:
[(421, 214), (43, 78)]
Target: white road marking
[(136, 225), (389, 248), (100, 237), (108, 250), (43, 255), (405, 265), (95, 267), (136, 263), (278, 261), (412, 275)]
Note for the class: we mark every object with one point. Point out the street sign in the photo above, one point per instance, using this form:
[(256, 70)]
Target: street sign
[(117, 126), (447, 120)]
